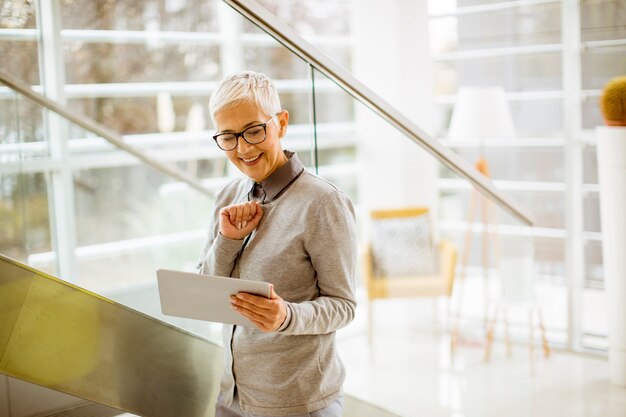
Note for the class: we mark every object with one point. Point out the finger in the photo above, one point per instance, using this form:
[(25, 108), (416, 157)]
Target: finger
[(273, 295), (226, 218), (238, 219), (257, 215), (232, 211), (262, 310), (253, 300), (268, 316), (245, 217), (253, 209), (253, 315)]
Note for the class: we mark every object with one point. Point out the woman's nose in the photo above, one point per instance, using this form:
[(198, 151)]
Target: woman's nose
[(243, 146)]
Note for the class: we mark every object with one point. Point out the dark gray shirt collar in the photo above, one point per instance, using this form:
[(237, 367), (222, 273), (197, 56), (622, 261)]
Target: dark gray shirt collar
[(273, 186)]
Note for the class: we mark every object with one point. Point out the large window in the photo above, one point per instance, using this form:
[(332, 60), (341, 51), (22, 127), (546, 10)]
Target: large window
[(76, 206), (531, 49)]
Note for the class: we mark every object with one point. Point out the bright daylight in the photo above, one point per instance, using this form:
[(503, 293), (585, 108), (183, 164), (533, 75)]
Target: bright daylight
[(327, 208)]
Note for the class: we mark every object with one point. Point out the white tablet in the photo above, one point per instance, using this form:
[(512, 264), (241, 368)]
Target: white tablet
[(204, 297)]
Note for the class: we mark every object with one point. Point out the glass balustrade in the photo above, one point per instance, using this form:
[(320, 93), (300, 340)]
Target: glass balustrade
[(381, 169)]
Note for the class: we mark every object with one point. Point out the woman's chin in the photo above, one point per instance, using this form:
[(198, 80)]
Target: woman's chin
[(255, 172)]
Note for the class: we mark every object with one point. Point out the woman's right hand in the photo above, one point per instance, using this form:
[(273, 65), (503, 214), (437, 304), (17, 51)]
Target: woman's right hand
[(239, 220)]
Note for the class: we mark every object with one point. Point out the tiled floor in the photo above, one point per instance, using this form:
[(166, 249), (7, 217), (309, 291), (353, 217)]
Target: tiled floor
[(412, 374)]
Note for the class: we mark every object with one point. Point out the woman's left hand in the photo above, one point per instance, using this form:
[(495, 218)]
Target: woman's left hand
[(268, 314)]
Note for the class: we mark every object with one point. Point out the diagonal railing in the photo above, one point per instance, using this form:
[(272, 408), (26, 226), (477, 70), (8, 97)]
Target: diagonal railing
[(294, 42), (99, 129)]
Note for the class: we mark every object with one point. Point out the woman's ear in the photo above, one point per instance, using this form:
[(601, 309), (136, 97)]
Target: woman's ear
[(283, 122)]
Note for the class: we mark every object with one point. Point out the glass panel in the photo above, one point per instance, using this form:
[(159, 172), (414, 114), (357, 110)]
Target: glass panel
[(550, 260), (22, 134), (128, 202), (594, 298), (602, 20), (599, 65), (275, 61), (532, 118), (316, 18), (258, 51), (146, 114), (594, 266), (536, 72), (520, 164), (147, 15), (25, 227), (546, 207), (590, 165), (132, 265), (591, 113), (185, 50), (516, 26), (20, 43), (591, 217), (594, 319), (464, 3), (24, 217), (98, 63), (324, 23), (336, 131), (24, 62), (10, 134), (538, 116), (392, 172)]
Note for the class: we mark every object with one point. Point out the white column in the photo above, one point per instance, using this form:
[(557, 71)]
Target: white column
[(230, 27), (572, 124), (61, 196), (391, 56), (612, 178)]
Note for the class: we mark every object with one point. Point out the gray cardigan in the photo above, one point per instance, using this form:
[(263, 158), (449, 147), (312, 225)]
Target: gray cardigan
[(306, 246)]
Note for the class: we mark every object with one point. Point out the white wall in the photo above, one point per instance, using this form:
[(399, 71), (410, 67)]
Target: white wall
[(392, 58)]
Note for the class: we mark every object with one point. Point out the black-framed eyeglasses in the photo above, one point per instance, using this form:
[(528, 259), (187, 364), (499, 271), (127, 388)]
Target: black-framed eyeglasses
[(253, 135)]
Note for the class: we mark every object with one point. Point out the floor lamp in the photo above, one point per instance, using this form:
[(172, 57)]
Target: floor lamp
[(480, 113)]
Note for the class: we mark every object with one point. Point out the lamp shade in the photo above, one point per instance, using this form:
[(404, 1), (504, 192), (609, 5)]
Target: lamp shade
[(481, 112)]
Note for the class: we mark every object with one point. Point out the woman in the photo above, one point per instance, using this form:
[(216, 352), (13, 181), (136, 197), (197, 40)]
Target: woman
[(288, 227)]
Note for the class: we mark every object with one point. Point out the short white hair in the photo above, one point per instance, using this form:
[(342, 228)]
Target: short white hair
[(246, 86)]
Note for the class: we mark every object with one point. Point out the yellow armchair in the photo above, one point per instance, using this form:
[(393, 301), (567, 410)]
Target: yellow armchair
[(408, 235)]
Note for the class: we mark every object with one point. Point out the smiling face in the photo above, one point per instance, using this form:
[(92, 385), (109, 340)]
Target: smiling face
[(256, 161)]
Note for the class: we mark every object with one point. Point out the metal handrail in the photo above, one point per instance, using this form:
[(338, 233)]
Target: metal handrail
[(98, 129), (307, 52)]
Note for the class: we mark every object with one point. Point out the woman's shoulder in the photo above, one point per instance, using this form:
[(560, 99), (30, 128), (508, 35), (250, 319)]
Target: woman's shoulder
[(312, 183), (320, 190), (322, 196)]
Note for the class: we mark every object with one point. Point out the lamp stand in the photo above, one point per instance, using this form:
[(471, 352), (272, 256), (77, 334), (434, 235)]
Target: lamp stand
[(487, 236)]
